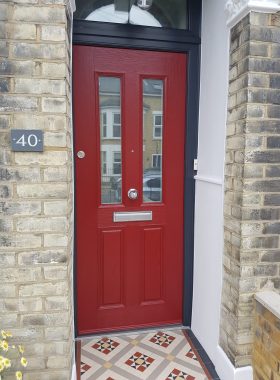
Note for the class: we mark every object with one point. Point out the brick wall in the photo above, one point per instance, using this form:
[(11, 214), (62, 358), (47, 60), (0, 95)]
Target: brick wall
[(36, 188), (252, 179), (266, 344)]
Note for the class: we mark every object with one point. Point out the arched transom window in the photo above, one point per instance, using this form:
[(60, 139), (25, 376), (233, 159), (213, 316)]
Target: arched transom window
[(156, 13)]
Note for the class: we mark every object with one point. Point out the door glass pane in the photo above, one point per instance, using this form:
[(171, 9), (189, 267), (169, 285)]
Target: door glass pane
[(157, 13), (110, 139), (153, 122)]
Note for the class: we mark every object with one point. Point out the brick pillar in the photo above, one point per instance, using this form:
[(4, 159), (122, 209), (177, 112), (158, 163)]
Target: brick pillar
[(36, 188), (252, 179)]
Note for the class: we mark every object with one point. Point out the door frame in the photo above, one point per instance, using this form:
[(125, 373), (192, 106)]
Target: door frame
[(147, 38)]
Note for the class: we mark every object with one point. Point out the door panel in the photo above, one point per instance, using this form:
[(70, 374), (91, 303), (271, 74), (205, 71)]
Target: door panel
[(111, 266), (153, 273), (129, 116)]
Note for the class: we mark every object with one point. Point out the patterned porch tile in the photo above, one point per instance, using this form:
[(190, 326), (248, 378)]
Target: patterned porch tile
[(187, 355), (190, 354), (104, 348), (139, 362), (109, 375), (176, 374), (88, 368), (84, 367), (164, 341), (158, 355), (105, 345), (174, 371)]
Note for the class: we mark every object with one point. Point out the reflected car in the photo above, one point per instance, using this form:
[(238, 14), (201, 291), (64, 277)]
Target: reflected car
[(152, 187)]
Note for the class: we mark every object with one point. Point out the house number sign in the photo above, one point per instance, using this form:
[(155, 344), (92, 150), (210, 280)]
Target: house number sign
[(23, 140)]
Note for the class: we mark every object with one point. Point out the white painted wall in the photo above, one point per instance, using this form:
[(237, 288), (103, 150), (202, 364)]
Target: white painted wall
[(208, 274), (209, 181), (213, 89), (209, 184), (74, 372)]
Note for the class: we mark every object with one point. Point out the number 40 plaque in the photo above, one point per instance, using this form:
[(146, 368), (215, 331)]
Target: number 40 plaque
[(23, 140)]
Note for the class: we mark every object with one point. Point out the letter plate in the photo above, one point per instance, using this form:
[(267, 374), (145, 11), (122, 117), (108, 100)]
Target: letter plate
[(137, 216)]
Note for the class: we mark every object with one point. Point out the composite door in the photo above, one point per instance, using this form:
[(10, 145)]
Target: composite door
[(129, 118)]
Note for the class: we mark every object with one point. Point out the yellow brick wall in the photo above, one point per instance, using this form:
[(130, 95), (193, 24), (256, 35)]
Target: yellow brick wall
[(266, 344), (36, 228)]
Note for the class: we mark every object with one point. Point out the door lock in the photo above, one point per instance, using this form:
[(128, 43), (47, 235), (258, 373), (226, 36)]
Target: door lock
[(132, 194), (81, 154)]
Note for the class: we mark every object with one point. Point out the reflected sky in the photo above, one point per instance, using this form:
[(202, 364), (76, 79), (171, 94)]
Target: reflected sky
[(136, 16)]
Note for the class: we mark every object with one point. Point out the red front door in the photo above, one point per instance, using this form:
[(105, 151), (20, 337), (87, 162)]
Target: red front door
[(129, 117)]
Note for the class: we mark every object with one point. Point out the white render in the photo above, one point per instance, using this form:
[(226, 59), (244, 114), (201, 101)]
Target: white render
[(237, 9), (270, 300), (72, 5), (226, 370), (209, 184), (217, 19), (74, 372)]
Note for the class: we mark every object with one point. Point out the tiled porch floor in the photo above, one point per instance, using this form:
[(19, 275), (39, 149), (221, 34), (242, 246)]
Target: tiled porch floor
[(153, 355)]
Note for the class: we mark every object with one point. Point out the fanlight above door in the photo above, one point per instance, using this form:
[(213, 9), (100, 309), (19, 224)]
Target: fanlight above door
[(156, 13)]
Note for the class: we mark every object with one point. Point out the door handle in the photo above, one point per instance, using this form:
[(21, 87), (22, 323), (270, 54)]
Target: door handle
[(132, 194)]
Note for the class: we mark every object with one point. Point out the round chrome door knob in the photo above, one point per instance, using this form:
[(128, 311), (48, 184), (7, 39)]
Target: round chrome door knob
[(81, 154), (132, 194)]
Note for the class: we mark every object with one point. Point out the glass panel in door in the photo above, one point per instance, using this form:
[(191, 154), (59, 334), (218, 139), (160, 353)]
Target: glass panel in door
[(153, 121), (110, 139)]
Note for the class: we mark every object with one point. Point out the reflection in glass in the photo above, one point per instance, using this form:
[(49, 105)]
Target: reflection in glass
[(153, 122), (157, 13), (110, 136)]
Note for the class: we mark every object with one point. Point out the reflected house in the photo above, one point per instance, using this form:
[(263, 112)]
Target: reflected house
[(110, 134), (152, 124)]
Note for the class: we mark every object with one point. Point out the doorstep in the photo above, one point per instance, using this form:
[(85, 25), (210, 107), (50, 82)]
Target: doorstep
[(165, 354)]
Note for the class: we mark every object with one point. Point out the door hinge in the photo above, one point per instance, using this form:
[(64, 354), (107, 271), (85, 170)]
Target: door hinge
[(195, 164)]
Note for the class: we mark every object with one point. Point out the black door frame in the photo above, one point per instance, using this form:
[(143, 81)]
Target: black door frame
[(163, 39)]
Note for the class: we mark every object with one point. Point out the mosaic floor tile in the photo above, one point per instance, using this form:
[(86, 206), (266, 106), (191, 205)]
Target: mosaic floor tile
[(104, 348), (176, 374), (156, 355), (187, 355), (109, 375), (84, 367), (190, 354), (105, 345), (139, 361), (162, 339), (88, 368)]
